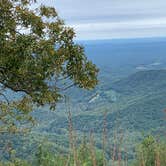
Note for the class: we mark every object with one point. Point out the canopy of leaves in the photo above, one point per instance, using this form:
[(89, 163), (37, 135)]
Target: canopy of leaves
[(37, 54)]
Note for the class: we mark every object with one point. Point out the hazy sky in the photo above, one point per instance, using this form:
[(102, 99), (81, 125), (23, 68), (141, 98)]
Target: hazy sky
[(107, 19)]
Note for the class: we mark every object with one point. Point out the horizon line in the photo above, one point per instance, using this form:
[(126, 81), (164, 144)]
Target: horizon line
[(130, 38)]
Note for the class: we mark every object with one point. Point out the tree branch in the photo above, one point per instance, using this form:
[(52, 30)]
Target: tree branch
[(70, 86), (5, 97)]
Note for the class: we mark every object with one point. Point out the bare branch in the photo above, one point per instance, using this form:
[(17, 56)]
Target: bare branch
[(5, 97), (65, 88)]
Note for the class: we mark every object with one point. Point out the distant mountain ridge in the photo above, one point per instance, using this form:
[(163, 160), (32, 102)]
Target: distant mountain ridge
[(142, 80)]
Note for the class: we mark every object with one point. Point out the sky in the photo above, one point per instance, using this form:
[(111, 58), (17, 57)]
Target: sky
[(112, 19)]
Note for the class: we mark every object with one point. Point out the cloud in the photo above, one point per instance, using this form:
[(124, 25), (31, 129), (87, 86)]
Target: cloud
[(99, 19), (123, 29)]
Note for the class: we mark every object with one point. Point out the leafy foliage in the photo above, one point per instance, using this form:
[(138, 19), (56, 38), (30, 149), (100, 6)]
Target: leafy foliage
[(151, 153), (38, 60)]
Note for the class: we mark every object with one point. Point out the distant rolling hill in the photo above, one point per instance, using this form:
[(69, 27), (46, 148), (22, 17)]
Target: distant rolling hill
[(140, 104), (147, 81), (140, 101), (133, 105)]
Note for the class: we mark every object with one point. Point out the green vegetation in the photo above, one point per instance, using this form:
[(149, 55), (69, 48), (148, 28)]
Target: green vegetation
[(149, 153), (127, 119), (134, 113)]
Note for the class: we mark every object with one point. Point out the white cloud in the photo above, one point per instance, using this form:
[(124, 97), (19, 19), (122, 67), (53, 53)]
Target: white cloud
[(125, 29), (99, 19), (145, 23)]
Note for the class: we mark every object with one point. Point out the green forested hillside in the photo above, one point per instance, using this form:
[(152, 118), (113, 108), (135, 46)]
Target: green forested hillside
[(134, 106), (149, 80)]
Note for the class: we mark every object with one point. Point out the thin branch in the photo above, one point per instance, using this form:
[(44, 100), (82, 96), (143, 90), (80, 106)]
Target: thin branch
[(65, 88), (64, 78), (5, 97)]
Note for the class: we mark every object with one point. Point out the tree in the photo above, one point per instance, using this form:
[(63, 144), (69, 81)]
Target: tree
[(39, 60), (151, 152)]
